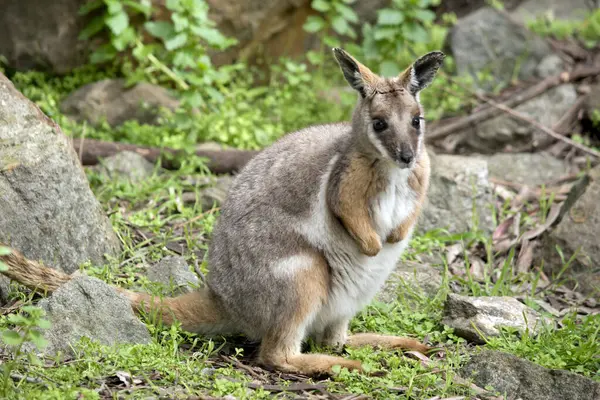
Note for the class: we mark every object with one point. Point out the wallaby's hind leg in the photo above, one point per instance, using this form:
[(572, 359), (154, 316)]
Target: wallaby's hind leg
[(280, 346), (281, 350), (386, 342), (197, 311)]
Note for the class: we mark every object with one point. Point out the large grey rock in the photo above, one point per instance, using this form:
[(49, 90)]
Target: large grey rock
[(495, 134), (112, 100), (127, 165), (472, 317), (526, 168), (40, 34), (488, 40), (410, 280), (522, 379), (559, 9), (88, 307), (173, 272), (577, 234), (47, 210), (457, 184)]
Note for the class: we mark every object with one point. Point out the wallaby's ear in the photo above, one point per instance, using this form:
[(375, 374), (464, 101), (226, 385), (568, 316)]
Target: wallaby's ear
[(358, 76), (419, 75)]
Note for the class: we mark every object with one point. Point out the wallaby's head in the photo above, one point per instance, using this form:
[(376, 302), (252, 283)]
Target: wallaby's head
[(389, 116)]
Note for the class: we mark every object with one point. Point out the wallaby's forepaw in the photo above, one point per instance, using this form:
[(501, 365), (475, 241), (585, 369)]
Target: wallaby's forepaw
[(370, 246), (396, 236)]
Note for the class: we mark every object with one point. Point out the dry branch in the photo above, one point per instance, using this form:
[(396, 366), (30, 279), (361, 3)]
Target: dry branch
[(443, 128), (219, 161)]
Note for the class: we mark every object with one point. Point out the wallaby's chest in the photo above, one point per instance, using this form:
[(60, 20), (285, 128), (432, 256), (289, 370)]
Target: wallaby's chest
[(392, 205)]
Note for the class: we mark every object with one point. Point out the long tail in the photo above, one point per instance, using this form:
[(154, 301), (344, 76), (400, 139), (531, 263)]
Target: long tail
[(32, 274), (198, 311)]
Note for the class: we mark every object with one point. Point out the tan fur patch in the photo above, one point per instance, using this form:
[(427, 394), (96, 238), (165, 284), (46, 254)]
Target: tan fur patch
[(386, 342), (193, 310), (418, 181), (358, 185)]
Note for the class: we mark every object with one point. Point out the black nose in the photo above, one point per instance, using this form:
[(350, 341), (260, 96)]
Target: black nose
[(406, 156)]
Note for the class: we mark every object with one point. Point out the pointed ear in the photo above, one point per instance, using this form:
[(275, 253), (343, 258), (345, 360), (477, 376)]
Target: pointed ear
[(419, 75), (358, 76)]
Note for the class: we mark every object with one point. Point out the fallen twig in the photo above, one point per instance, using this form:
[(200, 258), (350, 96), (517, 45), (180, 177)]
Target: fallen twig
[(219, 161), (444, 128), (531, 121)]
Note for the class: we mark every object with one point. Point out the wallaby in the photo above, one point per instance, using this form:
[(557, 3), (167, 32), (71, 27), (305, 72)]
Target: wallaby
[(310, 230)]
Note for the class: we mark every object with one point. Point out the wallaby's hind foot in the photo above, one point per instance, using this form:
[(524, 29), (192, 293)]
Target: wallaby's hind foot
[(197, 311), (287, 358), (386, 342)]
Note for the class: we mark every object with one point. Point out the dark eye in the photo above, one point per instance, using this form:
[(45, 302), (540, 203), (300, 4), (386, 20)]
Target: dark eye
[(416, 122), (379, 125)]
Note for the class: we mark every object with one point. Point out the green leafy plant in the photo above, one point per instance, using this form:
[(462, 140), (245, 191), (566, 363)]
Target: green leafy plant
[(402, 30), (171, 52), (335, 21), (586, 31), (27, 324)]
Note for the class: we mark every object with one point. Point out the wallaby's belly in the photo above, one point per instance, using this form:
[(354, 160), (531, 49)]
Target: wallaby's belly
[(356, 279)]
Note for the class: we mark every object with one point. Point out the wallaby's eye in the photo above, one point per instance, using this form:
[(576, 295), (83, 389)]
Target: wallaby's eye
[(416, 122), (379, 125)]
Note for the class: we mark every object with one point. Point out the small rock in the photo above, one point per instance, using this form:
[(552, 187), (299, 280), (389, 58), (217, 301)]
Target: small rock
[(578, 231), (215, 195), (502, 131), (527, 168), (521, 379), (457, 184), (574, 10), (410, 278), (42, 35), (111, 99), (88, 307), (488, 315), (487, 40), (550, 65), (4, 290), (127, 165), (173, 272)]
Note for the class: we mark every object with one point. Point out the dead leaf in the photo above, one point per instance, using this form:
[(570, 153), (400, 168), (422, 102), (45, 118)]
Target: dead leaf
[(525, 257), (452, 252), (552, 216)]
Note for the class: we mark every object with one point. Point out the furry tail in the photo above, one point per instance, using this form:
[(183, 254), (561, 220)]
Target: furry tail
[(198, 311), (31, 274)]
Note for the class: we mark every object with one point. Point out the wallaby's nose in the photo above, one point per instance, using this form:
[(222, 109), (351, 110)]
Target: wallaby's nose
[(406, 156)]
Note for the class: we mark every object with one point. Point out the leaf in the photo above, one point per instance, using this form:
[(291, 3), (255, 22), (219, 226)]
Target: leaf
[(95, 26), (211, 35), (3, 267), (320, 5), (180, 22), (416, 33), (388, 16), (103, 54), (160, 29), (126, 38), (142, 7), (118, 22), (90, 6), (346, 12), (44, 324), (384, 33), (424, 15), (340, 25), (314, 24), (389, 68), (36, 338), (176, 41), (11, 338), (5, 251)]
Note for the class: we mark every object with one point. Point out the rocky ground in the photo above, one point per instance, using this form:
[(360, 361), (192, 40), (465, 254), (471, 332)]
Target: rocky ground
[(503, 274)]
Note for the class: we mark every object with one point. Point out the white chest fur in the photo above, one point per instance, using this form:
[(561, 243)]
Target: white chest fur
[(356, 278)]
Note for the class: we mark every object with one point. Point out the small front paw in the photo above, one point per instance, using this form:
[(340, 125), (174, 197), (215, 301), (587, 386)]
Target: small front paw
[(396, 236), (370, 247)]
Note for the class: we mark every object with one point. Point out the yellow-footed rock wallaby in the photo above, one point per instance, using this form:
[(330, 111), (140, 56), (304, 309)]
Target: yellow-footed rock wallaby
[(311, 229)]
